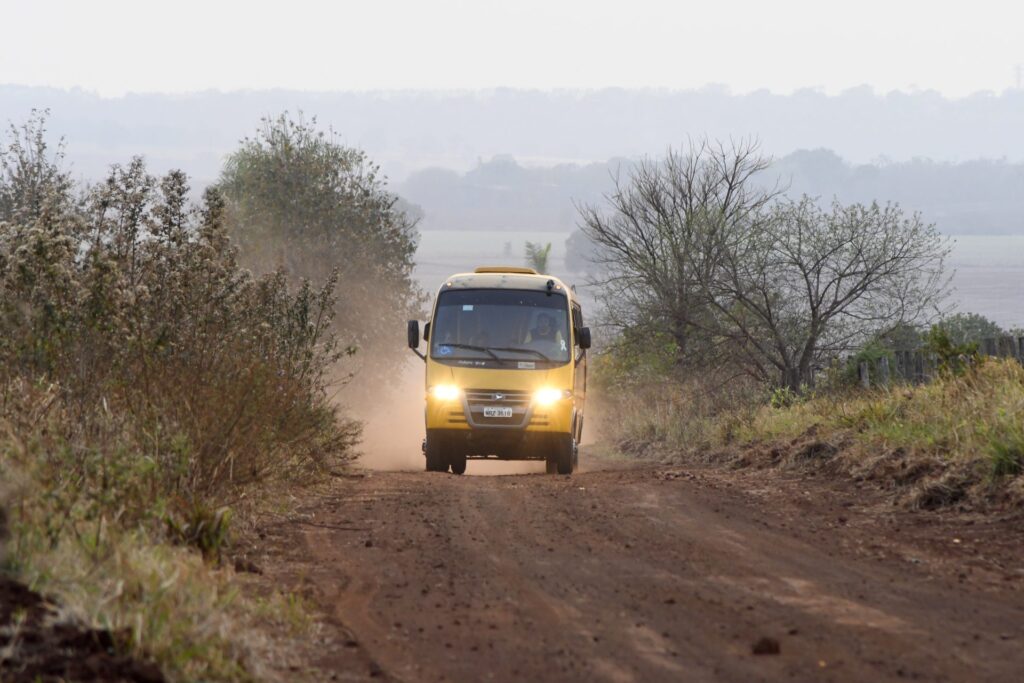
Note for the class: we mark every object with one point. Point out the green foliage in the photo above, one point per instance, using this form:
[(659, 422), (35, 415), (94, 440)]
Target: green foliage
[(1007, 454), (871, 353), (635, 358), (537, 256), (783, 397), (964, 328), (952, 357), (300, 203), (200, 526)]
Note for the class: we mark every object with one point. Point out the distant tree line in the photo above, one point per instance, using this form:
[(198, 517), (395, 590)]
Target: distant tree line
[(974, 197), (454, 129)]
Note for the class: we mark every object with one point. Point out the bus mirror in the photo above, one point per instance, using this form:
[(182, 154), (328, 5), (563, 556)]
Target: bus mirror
[(414, 334), (426, 332), (583, 337)]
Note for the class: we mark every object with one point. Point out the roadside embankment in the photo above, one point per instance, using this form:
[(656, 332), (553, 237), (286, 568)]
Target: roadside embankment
[(957, 440)]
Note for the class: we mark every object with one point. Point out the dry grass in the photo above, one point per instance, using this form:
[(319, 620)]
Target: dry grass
[(100, 544), (978, 415), (957, 438), (661, 419)]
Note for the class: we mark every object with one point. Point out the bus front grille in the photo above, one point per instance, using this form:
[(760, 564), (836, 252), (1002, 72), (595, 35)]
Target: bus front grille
[(497, 397), (515, 401)]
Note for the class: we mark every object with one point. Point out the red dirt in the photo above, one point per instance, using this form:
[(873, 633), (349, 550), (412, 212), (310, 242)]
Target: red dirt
[(643, 573)]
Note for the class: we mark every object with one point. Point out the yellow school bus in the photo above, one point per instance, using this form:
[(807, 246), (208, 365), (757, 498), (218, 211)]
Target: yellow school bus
[(506, 370)]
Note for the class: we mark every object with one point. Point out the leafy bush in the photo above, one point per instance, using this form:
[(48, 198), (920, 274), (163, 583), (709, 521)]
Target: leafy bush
[(133, 304), (965, 328), (871, 353), (145, 379), (301, 203), (953, 357), (1007, 453), (783, 397)]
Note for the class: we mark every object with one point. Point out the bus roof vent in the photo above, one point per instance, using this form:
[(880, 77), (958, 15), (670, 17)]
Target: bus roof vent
[(505, 269)]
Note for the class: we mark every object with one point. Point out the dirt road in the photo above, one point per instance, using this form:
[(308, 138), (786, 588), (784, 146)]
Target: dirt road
[(640, 573)]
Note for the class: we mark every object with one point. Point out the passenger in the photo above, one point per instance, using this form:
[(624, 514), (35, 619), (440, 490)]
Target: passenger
[(545, 334)]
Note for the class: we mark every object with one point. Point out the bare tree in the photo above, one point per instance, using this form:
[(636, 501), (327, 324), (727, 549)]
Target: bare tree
[(797, 284), (648, 239), (698, 250)]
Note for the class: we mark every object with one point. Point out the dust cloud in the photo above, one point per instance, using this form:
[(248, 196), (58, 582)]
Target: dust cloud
[(393, 430), (393, 424)]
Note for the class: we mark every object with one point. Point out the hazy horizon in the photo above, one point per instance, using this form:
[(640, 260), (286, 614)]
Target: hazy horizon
[(410, 130)]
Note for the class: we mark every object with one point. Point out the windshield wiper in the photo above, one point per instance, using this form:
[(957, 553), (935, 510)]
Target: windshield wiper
[(471, 347), (522, 350)]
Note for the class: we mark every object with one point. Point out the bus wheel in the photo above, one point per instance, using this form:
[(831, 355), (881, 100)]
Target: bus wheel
[(458, 464), (437, 458), (565, 454), (551, 465)]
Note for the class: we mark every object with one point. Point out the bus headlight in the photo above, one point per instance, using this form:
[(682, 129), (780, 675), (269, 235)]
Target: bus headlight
[(445, 392), (547, 396)]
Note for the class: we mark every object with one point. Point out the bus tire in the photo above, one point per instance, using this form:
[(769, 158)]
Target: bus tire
[(565, 454), (437, 457), (458, 463)]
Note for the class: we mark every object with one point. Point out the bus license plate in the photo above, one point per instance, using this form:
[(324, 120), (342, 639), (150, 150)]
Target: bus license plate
[(497, 412)]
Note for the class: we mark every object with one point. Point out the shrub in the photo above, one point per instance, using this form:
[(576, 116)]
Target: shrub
[(145, 378), (953, 356), (134, 306), (301, 203)]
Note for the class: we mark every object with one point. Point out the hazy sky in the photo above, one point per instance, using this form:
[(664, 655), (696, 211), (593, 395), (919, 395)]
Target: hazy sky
[(118, 46)]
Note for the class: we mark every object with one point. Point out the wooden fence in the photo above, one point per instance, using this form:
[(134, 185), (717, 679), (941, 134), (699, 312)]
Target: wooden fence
[(919, 365)]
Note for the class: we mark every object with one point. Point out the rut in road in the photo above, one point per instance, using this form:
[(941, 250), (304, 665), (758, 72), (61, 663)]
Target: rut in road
[(619, 575)]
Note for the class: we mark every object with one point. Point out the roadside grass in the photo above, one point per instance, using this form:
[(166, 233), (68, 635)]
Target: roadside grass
[(955, 437), (109, 547)]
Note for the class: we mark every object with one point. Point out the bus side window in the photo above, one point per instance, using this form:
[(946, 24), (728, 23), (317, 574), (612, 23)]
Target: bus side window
[(577, 317), (577, 325)]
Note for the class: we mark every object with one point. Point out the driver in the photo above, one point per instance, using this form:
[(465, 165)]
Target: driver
[(474, 325)]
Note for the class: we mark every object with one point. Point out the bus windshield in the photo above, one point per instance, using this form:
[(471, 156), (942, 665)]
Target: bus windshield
[(501, 325)]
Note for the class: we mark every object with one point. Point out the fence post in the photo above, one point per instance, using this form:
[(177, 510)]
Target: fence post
[(1008, 347), (1020, 349), (865, 377), (988, 347), (883, 371), (918, 366)]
